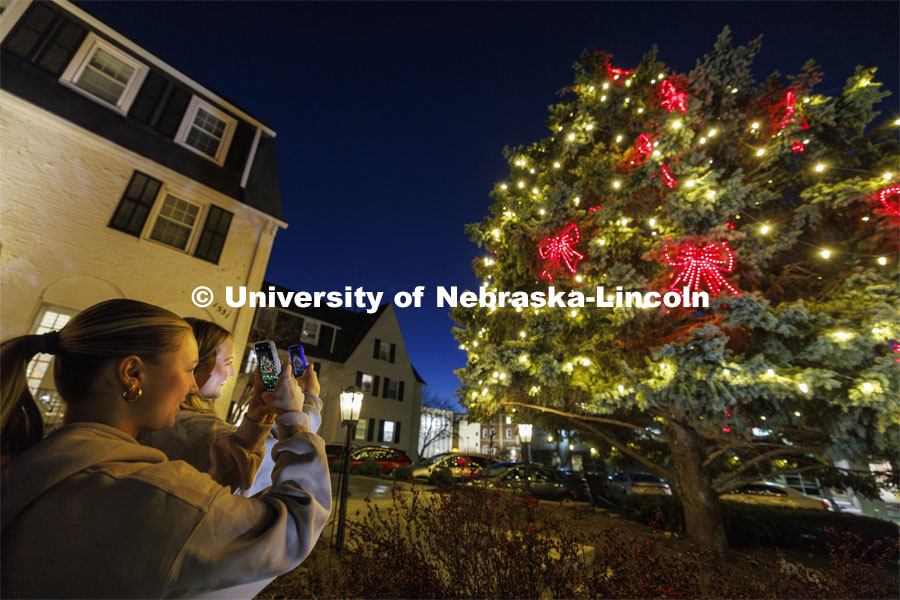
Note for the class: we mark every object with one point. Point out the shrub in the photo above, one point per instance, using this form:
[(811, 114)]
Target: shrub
[(485, 544), (336, 467), (370, 466), (761, 525), (442, 477), (402, 473)]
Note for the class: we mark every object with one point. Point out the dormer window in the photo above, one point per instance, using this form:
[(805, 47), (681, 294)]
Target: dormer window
[(104, 73), (206, 130), (310, 333)]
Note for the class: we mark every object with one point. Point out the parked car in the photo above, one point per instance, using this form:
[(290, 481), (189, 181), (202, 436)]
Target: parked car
[(461, 465), (634, 482), (542, 482), (775, 495), (388, 458)]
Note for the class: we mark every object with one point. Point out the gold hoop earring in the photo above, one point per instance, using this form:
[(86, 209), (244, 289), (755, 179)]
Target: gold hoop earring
[(133, 398)]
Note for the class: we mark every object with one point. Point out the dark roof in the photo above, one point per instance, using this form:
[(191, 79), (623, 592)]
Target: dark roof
[(354, 326)]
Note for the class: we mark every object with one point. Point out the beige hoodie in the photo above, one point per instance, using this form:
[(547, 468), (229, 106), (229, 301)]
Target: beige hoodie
[(89, 512)]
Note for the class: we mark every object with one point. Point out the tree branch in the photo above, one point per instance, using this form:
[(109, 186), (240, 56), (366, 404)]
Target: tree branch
[(624, 449), (766, 456), (579, 417)]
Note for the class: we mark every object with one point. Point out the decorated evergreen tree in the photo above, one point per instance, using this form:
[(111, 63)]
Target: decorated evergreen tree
[(778, 202)]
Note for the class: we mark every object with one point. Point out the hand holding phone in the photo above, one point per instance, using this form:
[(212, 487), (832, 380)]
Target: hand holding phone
[(268, 363)]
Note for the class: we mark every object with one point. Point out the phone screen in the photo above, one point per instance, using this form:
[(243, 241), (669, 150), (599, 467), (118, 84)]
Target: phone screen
[(268, 370), (298, 359)]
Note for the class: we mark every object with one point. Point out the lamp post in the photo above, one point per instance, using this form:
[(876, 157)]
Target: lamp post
[(525, 430), (351, 403)]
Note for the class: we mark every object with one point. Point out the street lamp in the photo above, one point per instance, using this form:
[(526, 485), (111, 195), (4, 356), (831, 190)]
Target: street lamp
[(525, 430), (351, 403)]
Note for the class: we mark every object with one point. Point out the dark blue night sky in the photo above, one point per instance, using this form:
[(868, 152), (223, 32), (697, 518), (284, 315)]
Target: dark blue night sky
[(391, 117)]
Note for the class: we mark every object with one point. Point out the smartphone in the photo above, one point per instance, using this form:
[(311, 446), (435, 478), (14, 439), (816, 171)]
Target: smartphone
[(298, 359), (268, 363)]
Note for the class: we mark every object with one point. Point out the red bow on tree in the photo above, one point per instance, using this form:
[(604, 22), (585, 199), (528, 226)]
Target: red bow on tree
[(790, 109), (702, 264), (672, 98), (891, 192), (559, 248)]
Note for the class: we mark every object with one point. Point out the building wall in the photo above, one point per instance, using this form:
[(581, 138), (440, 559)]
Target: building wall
[(406, 412), (60, 186), (467, 436)]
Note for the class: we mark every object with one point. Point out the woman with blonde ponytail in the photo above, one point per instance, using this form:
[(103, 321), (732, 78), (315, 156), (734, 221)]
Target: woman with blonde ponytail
[(231, 455), (90, 512)]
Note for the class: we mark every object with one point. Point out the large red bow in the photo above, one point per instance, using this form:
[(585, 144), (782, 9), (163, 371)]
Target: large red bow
[(559, 248), (702, 264)]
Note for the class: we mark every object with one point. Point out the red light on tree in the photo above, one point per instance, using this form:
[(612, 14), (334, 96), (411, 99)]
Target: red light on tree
[(702, 265), (615, 74), (559, 249), (667, 177), (885, 196), (671, 98), (790, 110), (797, 146)]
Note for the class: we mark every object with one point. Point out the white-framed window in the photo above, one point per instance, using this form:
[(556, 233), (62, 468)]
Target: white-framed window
[(310, 332), (360, 432), (175, 222), (251, 361), (206, 130), (367, 383), (105, 74), (388, 432), (51, 319), (485, 433), (509, 420)]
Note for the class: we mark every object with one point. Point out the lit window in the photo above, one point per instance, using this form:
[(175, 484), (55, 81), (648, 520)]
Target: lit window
[(310, 332), (367, 383), (51, 320), (102, 72), (360, 433), (509, 420), (175, 222), (388, 432), (251, 362), (206, 130)]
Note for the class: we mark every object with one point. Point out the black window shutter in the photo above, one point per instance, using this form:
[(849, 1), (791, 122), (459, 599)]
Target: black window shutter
[(174, 111), (371, 430), (215, 230), (397, 432), (387, 386), (377, 344), (317, 367), (135, 205), (381, 430), (32, 31), (240, 147), (393, 351), (359, 379), (375, 386), (61, 47), (149, 97), (400, 391)]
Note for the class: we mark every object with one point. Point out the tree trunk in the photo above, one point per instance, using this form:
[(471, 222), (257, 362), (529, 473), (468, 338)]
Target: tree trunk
[(703, 518)]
